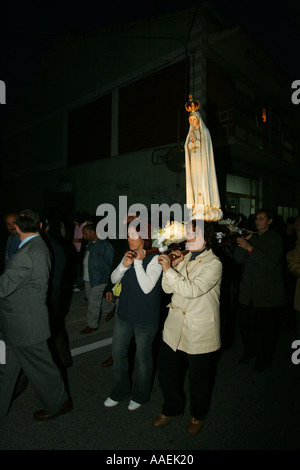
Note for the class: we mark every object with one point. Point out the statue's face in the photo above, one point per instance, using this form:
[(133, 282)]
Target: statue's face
[(194, 122)]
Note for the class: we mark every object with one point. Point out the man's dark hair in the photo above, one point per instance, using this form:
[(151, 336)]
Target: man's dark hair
[(90, 227), (267, 211), (28, 221)]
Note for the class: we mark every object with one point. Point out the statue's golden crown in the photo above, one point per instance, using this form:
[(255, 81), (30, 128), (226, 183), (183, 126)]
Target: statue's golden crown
[(191, 105)]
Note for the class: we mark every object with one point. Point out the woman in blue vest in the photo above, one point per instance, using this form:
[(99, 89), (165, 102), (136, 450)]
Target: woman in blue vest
[(138, 315)]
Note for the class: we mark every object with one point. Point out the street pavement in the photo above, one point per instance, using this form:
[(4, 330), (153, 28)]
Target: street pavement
[(249, 410)]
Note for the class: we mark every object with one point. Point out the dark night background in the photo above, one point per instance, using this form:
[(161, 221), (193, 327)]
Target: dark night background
[(29, 28)]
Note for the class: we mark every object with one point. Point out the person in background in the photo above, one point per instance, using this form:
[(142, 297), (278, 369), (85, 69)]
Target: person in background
[(25, 323), (293, 263), (261, 290), (59, 343), (290, 280), (79, 223), (13, 240), (96, 271), (12, 246), (109, 301)]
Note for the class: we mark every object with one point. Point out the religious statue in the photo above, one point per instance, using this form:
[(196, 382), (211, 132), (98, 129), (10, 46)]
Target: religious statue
[(202, 194)]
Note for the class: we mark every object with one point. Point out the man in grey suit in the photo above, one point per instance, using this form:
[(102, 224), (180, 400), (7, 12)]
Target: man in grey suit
[(25, 323)]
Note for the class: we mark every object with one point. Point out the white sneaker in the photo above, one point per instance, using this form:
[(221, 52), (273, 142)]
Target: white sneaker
[(109, 403), (133, 405)]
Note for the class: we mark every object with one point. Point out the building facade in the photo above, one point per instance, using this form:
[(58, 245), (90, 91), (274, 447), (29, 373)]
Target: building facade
[(105, 118)]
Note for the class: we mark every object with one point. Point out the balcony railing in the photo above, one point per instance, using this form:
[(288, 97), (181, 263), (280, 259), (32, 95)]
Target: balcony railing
[(248, 128)]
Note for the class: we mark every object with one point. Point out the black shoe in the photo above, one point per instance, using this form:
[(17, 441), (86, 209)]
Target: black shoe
[(109, 362), (87, 330), (41, 415)]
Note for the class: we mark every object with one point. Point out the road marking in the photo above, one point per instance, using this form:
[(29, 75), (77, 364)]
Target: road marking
[(90, 347)]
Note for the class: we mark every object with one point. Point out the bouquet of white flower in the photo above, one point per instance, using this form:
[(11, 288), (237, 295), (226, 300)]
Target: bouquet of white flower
[(173, 232)]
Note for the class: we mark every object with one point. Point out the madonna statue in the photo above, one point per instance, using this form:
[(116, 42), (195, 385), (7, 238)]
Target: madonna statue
[(202, 194)]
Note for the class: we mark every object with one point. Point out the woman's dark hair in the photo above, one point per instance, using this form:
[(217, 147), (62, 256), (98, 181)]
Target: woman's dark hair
[(79, 217), (144, 229), (93, 219), (28, 221), (209, 233)]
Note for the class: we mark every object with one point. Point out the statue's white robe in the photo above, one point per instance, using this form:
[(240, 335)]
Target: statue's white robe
[(202, 194)]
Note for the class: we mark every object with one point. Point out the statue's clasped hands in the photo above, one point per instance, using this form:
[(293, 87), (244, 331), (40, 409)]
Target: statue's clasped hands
[(192, 136)]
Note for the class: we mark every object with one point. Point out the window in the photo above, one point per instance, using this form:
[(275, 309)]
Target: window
[(241, 195), (151, 110), (89, 131), (287, 212)]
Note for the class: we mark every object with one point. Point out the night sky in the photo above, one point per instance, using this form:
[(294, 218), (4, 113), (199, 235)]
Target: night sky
[(29, 28)]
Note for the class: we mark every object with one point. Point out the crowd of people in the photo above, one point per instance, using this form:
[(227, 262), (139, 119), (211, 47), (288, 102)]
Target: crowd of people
[(253, 283)]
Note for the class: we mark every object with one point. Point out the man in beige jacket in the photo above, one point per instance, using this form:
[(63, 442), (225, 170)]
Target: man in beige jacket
[(191, 333)]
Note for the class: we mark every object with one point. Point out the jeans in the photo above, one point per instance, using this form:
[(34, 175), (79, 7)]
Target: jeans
[(142, 383)]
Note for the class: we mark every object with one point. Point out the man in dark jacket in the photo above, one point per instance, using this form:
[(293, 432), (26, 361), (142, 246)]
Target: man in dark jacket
[(25, 322), (12, 246), (261, 291), (96, 271)]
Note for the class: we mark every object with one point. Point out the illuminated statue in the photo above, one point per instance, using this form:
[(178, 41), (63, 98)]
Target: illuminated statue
[(202, 194)]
